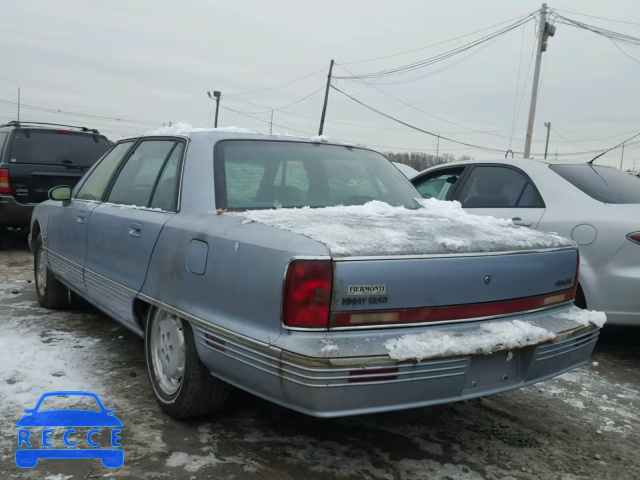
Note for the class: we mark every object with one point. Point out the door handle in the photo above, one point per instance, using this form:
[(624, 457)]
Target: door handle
[(134, 229), (80, 219), (520, 222)]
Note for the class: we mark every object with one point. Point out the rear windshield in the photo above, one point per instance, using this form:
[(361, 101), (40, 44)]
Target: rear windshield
[(57, 147), (605, 184), (273, 174)]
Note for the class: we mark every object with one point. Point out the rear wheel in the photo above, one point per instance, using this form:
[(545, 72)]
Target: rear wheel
[(183, 386), (580, 300), (51, 292)]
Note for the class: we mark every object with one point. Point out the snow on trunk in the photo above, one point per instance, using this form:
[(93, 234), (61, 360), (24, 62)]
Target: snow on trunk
[(377, 228)]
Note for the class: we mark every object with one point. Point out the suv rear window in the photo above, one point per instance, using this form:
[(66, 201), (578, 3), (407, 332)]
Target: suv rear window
[(57, 147), (267, 174), (605, 184)]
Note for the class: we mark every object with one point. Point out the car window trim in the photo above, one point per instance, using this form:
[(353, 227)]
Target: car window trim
[(176, 193), (439, 170), (462, 182), (86, 176), (125, 159)]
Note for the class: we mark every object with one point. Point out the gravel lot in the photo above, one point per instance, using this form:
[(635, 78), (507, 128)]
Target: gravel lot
[(584, 424)]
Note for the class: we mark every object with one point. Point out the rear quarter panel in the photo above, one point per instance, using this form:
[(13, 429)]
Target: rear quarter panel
[(240, 288)]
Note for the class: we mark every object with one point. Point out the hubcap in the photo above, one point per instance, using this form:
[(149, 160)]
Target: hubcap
[(167, 351), (41, 273)]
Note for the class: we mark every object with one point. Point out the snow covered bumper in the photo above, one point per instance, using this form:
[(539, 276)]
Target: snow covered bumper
[(349, 373)]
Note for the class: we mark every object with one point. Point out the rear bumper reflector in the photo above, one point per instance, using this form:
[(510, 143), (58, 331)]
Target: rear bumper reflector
[(441, 314)]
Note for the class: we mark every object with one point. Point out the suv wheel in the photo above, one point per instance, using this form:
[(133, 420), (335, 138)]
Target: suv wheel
[(183, 386), (51, 292)]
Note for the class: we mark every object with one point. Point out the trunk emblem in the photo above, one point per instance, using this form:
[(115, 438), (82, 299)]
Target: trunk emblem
[(487, 280)]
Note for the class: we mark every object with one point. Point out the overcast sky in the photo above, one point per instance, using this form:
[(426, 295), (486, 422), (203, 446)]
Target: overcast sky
[(154, 60)]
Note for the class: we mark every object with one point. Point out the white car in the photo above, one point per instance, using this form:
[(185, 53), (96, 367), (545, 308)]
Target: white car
[(407, 171), (598, 207)]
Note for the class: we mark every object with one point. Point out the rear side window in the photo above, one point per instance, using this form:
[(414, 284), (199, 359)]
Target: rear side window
[(498, 187), (267, 174), (97, 180), (605, 184), (165, 195), (57, 147), (136, 180)]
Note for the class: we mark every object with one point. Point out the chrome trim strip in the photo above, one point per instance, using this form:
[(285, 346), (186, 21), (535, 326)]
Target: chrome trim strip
[(569, 342), (403, 369), (346, 384), (444, 322), (565, 351), (88, 273), (449, 255), (64, 259), (206, 325)]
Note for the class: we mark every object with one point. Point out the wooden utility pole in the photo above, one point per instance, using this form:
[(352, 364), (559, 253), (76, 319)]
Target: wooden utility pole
[(326, 98), (271, 123), (18, 104), (545, 30), (622, 157)]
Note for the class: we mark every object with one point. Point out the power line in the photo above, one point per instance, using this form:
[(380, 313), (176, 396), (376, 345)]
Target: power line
[(610, 34), (443, 56), (276, 86), (614, 147), (269, 109), (78, 114), (599, 18), (265, 121), (436, 44), (487, 132)]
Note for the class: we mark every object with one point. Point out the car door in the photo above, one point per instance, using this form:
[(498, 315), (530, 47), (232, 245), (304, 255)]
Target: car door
[(67, 228), (501, 191), (439, 183), (123, 231)]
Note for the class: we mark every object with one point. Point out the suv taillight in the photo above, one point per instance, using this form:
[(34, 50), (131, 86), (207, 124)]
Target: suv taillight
[(634, 237), (307, 294), (4, 181)]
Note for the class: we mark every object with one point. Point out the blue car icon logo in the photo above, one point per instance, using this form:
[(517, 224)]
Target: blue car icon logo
[(68, 420)]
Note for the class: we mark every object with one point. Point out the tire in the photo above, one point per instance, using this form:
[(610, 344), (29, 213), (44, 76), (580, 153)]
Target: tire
[(183, 386), (51, 292), (580, 300)]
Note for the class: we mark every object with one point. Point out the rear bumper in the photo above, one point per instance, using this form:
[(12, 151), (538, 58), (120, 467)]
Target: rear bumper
[(325, 387), (14, 214)]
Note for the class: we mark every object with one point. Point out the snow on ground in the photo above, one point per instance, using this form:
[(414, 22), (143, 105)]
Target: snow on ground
[(487, 339), (377, 228)]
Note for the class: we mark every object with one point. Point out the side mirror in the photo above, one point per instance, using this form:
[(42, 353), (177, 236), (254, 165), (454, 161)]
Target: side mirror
[(452, 179), (61, 193)]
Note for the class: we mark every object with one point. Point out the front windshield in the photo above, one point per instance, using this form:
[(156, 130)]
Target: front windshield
[(272, 174)]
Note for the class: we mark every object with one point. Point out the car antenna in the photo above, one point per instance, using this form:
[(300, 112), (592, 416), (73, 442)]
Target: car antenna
[(590, 162)]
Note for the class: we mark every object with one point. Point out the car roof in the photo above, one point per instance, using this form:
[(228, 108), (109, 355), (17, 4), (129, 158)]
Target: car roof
[(14, 124), (516, 162)]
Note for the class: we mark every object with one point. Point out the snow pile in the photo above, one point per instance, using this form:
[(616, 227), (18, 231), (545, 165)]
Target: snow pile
[(585, 317), (184, 129), (377, 228), (319, 138), (488, 338), (328, 346)]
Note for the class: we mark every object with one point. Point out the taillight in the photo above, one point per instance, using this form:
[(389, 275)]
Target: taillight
[(307, 294), (4, 181), (634, 237)]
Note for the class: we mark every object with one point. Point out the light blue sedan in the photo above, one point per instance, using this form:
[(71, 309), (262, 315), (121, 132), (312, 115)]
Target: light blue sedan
[(307, 273)]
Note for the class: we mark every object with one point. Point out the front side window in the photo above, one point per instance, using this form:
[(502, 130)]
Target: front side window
[(605, 184), (498, 187), (438, 184), (97, 180), (268, 174), (135, 182)]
